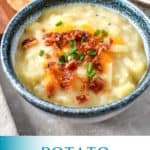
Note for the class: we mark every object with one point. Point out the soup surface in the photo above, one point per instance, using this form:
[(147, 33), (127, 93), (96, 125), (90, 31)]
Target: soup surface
[(80, 55)]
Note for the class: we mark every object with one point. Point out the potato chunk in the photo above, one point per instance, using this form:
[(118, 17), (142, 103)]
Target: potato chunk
[(123, 90)]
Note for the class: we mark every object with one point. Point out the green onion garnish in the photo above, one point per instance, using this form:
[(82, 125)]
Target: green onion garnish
[(104, 33), (72, 51), (97, 32), (41, 52), (75, 56), (63, 59), (83, 39), (90, 67), (91, 52), (82, 57), (92, 74), (59, 23), (72, 43)]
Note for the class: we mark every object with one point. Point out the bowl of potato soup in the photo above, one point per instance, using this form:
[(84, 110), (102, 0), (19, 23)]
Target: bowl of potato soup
[(78, 59)]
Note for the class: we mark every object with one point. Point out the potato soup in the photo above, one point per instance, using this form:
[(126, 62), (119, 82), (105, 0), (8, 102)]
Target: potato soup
[(80, 55)]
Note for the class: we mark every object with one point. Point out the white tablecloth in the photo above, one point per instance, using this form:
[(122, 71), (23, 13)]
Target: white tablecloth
[(7, 126)]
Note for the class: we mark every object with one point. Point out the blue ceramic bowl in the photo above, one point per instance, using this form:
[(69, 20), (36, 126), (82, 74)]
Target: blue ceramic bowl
[(32, 12)]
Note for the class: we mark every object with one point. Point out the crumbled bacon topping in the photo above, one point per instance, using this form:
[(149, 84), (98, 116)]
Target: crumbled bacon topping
[(61, 40), (29, 42), (51, 38), (51, 64), (97, 65), (72, 65), (85, 48), (81, 99), (96, 85), (47, 56), (65, 79)]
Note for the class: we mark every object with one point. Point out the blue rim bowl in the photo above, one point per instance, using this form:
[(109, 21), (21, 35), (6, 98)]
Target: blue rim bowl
[(32, 12)]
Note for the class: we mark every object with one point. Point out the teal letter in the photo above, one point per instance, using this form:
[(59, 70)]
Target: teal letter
[(69, 148), (103, 148), (57, 148), (45, 148), (91, 148)]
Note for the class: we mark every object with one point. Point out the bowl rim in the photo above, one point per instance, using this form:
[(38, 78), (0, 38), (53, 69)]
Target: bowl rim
[(64, 110)]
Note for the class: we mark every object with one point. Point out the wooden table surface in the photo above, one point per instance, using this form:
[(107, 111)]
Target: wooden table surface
[(6, 13)]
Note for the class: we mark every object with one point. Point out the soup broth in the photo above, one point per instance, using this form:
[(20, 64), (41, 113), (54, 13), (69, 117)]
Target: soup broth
[(80, 55)]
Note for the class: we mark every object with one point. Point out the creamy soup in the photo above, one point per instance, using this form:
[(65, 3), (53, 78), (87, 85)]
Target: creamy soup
[(80, 55)]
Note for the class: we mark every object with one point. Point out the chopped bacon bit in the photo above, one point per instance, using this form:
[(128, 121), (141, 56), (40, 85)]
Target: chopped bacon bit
[(64, 84), (72, 65), (47, 56), (56, 46), (77, 34), (65, 80), (29, 42), (51, 38), (62, 67), (96, 85), (67, 75), (88, 58), (111, 41), (97, 65), (81, 99), (51, 64)]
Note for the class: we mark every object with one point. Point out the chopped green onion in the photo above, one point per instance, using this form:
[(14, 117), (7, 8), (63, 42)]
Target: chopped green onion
[(75, 56), (92, 74), (82, 57), (72, 51), (63, 59), (83, 39), (59, 23), (41, 52), (90, 67), (72, 43), (104, 33), (91, 52), (97, 32)]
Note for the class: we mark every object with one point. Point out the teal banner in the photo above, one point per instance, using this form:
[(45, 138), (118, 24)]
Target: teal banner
[(74, 143), (51, 143)]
